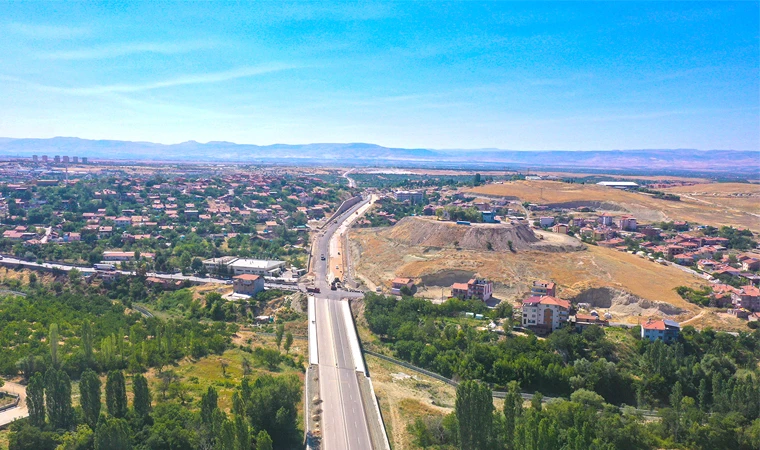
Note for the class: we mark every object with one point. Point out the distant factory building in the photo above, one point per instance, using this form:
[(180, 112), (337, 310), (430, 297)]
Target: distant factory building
[(619, 184)]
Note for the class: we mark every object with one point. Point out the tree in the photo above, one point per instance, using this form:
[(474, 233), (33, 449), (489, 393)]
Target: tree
[(81, 439), (278, 335), (676, 396), (513, 402), (116, 394), (263, 441), (87, 342), (35, 400), (288, 341), (113, 434), (474, 411), (208, 406), (242, 433), (53, 339), (89, 397), (143, 398), (58, 399)]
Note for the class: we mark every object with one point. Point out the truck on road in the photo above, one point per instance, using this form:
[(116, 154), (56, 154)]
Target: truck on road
[(104, 266)]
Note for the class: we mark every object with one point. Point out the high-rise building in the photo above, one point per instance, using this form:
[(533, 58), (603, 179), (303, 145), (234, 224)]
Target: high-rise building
[(75, 159), (34, 158), (65, 159), (57, 158), (84, 160), (44, 158)]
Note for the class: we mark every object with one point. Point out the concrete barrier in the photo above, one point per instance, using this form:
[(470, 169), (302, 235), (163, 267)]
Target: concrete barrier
[(313, 353), (343, 208)]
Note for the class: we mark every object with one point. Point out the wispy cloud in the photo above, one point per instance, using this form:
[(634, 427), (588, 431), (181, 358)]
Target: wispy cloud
[(204, 78), (40, 31), (130, 48)]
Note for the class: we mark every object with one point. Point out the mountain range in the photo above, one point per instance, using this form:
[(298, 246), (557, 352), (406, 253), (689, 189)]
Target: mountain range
[(361, 154)]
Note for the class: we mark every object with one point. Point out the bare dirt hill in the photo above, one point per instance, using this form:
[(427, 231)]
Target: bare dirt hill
[(477, 236)]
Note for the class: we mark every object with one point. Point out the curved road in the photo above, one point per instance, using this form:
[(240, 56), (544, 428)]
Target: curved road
[(18, 412)]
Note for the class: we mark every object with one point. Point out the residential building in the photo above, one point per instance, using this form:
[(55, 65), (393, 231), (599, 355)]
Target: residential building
[(546, 221), (747, 297), (582, 321), (665, 330), (411, 196), (627, 223), (605, 219), (544, 314), (399, 283), (247, 284), (475, 288), (543, 288)]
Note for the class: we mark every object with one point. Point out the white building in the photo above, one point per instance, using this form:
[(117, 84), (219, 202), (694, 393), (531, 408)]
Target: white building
[(546, 221), (240, 266), (412, 196)]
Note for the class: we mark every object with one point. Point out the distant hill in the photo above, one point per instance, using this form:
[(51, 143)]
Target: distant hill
[(360, 154)]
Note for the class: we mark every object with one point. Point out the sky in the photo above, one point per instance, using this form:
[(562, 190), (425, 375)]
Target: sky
[(508, 75)]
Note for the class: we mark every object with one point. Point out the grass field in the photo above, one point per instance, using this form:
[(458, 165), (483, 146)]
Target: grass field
[(717, 210), (380, 259)]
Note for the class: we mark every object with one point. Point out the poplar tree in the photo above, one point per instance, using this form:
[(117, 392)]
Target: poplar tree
[(89, 390), (474, 412), (116, 394), (53, 339), (512, 411), (263, 441), (35, 400), (143, 397)]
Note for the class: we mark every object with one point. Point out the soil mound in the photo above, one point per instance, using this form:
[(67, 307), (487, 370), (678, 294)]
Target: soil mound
[(477, 236), (623, 303)]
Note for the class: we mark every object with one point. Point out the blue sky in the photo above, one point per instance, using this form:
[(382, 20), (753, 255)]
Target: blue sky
[(524, 76)]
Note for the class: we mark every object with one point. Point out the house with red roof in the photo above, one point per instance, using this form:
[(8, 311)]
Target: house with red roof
[(544, 314), (665, 330), (747, 297), (475, 288)]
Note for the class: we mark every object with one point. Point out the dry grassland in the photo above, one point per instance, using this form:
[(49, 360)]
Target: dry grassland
[(379, 259), (717, 211)]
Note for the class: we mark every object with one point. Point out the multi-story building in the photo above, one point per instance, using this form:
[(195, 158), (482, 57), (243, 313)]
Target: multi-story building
[(65, 159), (747, 297), (34, 158), (666, 330), (84, 160), (475, 288), (44, 158), (546, 221), (544, 314), (627, 223), (57, 159), (75, 159), (247, 284), (542, 288), (412, 196)]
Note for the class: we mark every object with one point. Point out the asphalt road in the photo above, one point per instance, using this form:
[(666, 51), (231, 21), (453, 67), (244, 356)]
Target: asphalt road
[(20, 411), (344, 422)]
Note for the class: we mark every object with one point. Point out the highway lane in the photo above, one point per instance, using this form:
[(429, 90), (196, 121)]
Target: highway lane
[(344, 422)]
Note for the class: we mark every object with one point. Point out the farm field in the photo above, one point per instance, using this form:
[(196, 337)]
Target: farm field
[(730, 210), (630, 286)]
